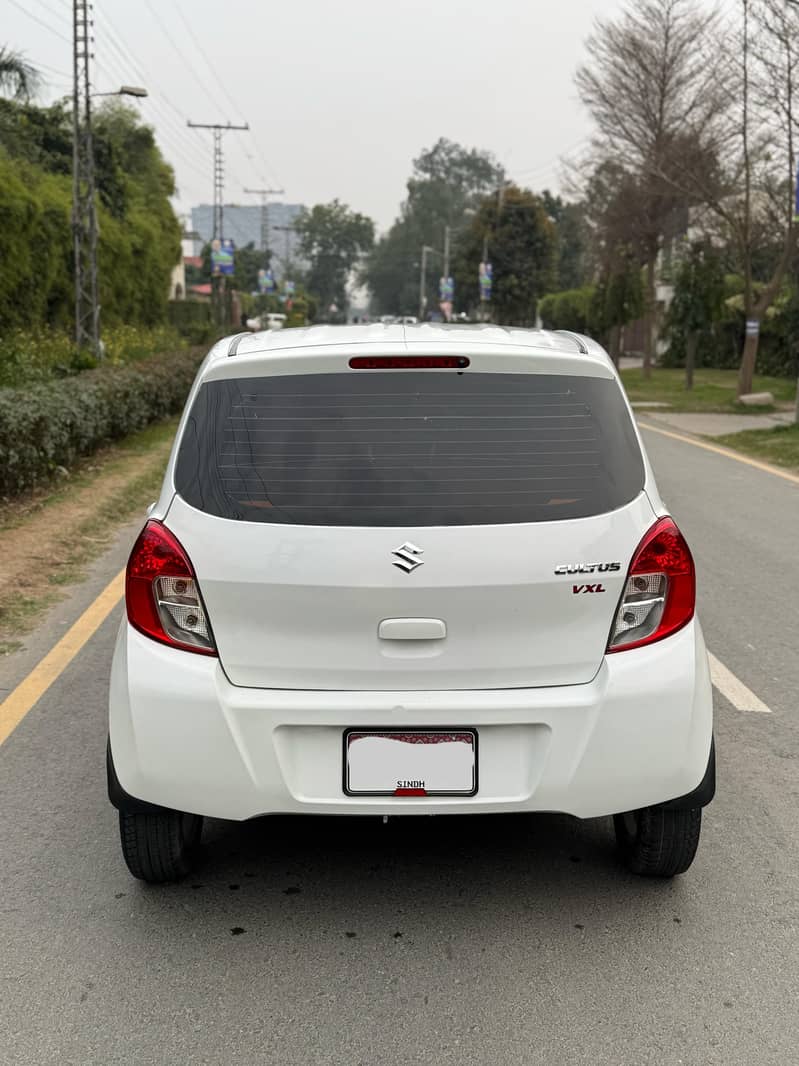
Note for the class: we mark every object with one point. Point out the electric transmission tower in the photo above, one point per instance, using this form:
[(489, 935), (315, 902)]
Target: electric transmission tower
[(264, 193), (84, 209), (219, 193)]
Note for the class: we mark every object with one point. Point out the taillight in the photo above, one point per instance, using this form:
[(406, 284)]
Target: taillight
[(161, 593), (660, 595)]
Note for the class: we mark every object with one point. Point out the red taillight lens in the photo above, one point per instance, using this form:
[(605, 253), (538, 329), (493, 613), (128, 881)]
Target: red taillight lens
[(660, 594), (161, 593)]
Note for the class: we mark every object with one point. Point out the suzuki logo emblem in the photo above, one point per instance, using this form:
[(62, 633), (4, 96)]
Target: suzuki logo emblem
[(406, 557)]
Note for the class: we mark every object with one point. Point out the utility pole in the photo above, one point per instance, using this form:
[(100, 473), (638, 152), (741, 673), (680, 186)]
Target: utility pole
[(84, 207), (426, 250), (264, 193), (287, 230), (219, 194), (447, 233)]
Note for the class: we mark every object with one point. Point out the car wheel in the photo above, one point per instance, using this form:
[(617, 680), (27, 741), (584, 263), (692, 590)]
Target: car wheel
[(656, 842), (159, 847)]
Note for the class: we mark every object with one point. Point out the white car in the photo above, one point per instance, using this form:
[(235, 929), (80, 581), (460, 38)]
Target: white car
[(409, 571)]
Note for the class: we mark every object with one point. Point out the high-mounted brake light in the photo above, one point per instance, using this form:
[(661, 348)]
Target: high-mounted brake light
[(409, 362), (161, 593), (660, 594)]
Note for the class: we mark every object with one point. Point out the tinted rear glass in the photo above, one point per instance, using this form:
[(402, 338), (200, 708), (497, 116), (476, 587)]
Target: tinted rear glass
[(409, 448)]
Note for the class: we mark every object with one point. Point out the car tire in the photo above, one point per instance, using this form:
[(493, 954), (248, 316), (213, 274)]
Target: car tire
[(656, 842), (160, 847)]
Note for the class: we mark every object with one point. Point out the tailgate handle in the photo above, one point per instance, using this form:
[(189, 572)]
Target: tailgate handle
[(412, 629)]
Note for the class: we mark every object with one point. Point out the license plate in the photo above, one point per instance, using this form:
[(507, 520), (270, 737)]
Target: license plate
[(417, 762)]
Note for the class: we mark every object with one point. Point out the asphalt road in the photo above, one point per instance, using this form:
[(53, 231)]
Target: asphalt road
[(476, 941)]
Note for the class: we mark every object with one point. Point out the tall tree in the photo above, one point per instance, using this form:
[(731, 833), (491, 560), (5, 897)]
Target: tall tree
[(572, 238), (448, 181), (333, 239), (18, 78), (523, 252), (698, 301), (654, 90), (767, 90), (749, 194)]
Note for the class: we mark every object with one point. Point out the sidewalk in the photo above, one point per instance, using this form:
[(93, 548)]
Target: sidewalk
[(714, 425)]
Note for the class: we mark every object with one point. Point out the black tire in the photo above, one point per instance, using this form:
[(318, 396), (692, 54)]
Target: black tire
[(656, 842), (160, 847)]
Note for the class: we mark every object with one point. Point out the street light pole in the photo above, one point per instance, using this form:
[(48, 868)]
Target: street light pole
[(288, 230), (426, 250)]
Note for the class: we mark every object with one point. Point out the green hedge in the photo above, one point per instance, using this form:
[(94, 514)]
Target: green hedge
[(570, 309), (46, 426), (193, 320)]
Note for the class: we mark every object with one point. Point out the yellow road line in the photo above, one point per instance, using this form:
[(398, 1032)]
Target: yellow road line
[(15, 706), (730, 454)]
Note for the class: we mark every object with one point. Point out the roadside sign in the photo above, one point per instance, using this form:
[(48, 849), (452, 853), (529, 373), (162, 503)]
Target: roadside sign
[(485, 279), (222, 256)]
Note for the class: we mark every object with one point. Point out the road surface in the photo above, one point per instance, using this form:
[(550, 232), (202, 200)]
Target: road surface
[(477, 941)]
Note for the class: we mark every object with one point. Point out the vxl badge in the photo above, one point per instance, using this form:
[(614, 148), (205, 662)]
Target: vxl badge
[(406, 557)]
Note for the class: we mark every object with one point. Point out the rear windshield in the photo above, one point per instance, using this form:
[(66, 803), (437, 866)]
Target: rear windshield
[(409, 448)]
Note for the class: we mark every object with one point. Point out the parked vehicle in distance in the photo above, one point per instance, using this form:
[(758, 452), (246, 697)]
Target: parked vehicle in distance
[(423, 570), (408, 320), (272, 320)]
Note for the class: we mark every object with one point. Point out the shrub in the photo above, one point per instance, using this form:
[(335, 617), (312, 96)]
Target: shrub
[(31, 356), (570, 309), (193, 320), (46, 426)]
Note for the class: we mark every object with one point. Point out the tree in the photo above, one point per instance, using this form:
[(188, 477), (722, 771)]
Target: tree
[(248, 261), (698, 301), (749, 195), (523, 250), (623, 296), (448, 181), (18, 78), (333, 239), (654, 86), (139, 233), (768, 117), (571, 228)]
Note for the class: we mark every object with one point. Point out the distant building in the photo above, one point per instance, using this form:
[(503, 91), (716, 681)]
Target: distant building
[(242, 223)]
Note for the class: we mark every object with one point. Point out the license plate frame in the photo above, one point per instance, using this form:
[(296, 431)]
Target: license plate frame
[(353, 733)]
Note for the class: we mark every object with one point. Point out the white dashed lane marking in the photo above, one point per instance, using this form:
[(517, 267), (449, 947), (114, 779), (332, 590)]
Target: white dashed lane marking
[(741, 697)]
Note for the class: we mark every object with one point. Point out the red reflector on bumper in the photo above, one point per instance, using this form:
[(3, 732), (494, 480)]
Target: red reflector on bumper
[(409, 362), (410, 792)]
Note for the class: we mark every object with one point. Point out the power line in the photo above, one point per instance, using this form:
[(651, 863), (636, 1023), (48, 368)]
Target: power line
[(208, 64), (224, 90), (192, 70), (52, 70), (176, 132), (52, 11), (36, 18)]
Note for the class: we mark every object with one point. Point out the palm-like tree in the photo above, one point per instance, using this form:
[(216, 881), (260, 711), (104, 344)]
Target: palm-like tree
[(18, 78)]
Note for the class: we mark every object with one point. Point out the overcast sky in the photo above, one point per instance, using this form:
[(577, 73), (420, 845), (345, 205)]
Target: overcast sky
[(340, 95)]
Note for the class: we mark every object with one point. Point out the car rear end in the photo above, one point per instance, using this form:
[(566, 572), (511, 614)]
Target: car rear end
[(428, 573)]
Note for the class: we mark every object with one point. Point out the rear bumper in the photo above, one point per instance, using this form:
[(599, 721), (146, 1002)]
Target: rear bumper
[(183, 737)]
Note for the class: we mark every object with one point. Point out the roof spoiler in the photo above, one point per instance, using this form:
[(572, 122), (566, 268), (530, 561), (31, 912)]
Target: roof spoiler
[(578, 340), (233, 347)]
